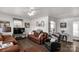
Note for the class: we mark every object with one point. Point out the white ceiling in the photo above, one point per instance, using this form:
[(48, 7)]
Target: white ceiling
[(58, 12)]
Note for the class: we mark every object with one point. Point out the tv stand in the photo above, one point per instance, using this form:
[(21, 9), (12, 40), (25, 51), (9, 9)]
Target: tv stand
[(19, 36), (19, 33)]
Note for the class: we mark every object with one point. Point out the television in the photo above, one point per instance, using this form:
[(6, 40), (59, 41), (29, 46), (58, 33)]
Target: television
[(18, 30)]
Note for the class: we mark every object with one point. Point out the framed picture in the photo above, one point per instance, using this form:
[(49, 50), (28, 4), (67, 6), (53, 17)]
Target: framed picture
[(27, 25), (7, 29), (4, 24), (63, 25), (7, 24), (40, 24), (1, 25)]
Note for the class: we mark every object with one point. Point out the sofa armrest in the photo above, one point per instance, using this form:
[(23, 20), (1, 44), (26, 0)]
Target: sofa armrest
[(11, 39)]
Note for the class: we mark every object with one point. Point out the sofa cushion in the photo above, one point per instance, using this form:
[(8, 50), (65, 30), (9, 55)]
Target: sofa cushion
[(6, 36), (11, 39), (36, 34), (4, 44), (1, 38), (8, 44), (40, 35), (31, 33), (1, 44), (14, 48)]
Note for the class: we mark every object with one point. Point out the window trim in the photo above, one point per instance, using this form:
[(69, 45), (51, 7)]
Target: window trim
[(76, 22)]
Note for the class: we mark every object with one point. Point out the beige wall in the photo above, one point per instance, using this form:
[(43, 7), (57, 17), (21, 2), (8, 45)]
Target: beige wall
[(4, 17), (43, 18), (46, 19), (69, 28), (53, 19)]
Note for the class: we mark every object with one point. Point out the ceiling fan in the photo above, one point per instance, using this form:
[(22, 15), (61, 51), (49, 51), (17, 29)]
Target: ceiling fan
[(32, 11)]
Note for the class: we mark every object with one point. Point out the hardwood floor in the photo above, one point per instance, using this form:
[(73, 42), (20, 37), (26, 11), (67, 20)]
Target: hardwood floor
[(65, 47), (70, 47), (26, 43)]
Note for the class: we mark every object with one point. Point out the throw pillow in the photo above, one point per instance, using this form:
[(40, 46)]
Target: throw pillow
[(31, 33), (52, 40), (1, 44), (1, 38), (5, 45), (40, 35)]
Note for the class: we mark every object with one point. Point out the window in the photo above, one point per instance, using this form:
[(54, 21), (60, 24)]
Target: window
[(76, 29), (18, 22), (52, 27)]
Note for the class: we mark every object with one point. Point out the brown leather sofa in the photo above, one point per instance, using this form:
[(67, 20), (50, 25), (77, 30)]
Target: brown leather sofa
[(9, 38), (39, 38)]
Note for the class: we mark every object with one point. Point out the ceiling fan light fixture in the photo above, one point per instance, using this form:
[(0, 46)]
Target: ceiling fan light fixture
[(31, 13)]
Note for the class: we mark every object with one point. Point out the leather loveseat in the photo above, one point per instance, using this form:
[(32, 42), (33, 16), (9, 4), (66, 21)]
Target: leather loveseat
[(39, 38), (9, 38)]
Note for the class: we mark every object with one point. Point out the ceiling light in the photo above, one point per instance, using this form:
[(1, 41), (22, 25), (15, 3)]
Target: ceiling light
[(31, 13)]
